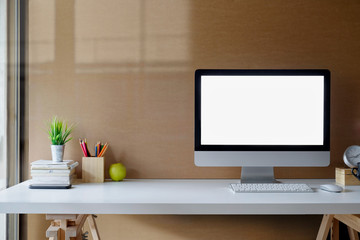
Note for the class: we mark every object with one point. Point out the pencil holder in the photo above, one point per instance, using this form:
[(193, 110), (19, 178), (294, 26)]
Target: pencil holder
[(93, 169), (344, 177)]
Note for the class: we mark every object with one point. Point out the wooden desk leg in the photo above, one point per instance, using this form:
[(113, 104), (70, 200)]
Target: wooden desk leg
[(335, 229), (350, 220), (353, 235), (69, 226), (325, 226), (353, 224), (63, 226), (75, 231), (53, 233), (93, 227)]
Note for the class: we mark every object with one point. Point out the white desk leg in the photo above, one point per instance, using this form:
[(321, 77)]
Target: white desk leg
[(325, 226)]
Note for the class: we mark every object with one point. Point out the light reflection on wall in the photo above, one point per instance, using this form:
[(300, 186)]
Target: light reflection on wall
[(123, 67), (144, 35), (42, 37)]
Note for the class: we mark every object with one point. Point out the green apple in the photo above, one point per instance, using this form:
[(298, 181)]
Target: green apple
[(117, 171)]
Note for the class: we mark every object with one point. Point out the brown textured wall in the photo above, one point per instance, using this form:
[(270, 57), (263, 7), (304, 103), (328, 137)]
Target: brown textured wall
[(123, 71)]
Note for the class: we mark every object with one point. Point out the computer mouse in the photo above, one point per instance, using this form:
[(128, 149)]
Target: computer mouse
[(331, 188)]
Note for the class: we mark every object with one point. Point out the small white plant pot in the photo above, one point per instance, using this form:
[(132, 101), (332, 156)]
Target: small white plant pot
[(57, 153)]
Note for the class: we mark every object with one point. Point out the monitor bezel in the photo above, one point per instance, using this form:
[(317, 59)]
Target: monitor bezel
[(258, 72)]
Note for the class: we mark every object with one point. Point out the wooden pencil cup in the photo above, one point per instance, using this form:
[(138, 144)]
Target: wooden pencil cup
[(93, 169)]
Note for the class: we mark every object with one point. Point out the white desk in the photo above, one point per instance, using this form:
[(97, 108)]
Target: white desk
[(143, 196)]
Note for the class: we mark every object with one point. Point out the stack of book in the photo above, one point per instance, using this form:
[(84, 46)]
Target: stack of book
[(49, 172)]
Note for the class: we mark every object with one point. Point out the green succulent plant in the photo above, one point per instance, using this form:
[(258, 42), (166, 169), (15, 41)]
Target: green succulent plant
[(59, 131)]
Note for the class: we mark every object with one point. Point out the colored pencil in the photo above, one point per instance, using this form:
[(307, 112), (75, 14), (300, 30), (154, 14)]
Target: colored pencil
[(82, 148), (86, 151), (98, 149), (103, 150)]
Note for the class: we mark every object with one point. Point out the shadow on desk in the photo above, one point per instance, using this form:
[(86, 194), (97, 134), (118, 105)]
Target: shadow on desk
[(219, 227)]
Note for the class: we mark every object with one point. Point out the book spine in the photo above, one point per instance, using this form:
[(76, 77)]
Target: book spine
[(52, 178), (54, 167), (53, 171), (69, 181), (50, 162), (49, 175), (49, 168)]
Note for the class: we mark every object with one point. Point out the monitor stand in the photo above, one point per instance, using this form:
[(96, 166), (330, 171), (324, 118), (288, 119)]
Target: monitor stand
[(257, 175)]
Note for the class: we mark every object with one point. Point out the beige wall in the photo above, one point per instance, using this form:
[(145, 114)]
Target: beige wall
[(123, 71)]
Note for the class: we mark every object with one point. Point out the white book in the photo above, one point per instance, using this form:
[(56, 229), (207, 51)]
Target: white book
[(53, 176), (52, 172), (50, 180), (54, 166), (69, 181), (50, 162)]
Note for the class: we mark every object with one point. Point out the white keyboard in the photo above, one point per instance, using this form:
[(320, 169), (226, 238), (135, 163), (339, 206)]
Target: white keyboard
[(270, 188)]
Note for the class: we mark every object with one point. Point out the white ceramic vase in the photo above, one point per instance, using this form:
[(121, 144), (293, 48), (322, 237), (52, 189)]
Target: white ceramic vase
[(57, 153)]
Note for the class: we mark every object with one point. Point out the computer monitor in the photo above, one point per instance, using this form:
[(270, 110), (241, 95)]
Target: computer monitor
[(260, 119)]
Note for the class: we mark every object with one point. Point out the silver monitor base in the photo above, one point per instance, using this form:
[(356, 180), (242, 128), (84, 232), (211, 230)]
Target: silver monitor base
[(257, 175)]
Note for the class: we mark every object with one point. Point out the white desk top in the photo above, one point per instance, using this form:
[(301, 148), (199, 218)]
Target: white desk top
[(154, 196)]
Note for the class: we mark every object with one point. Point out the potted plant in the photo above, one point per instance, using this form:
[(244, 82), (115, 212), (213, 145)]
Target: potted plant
[(59, 134)]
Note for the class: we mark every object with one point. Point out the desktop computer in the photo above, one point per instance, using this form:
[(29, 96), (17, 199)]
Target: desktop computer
[(260, 119)]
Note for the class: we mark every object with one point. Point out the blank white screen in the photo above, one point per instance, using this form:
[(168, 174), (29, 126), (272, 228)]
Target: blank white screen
[(262, 110)]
